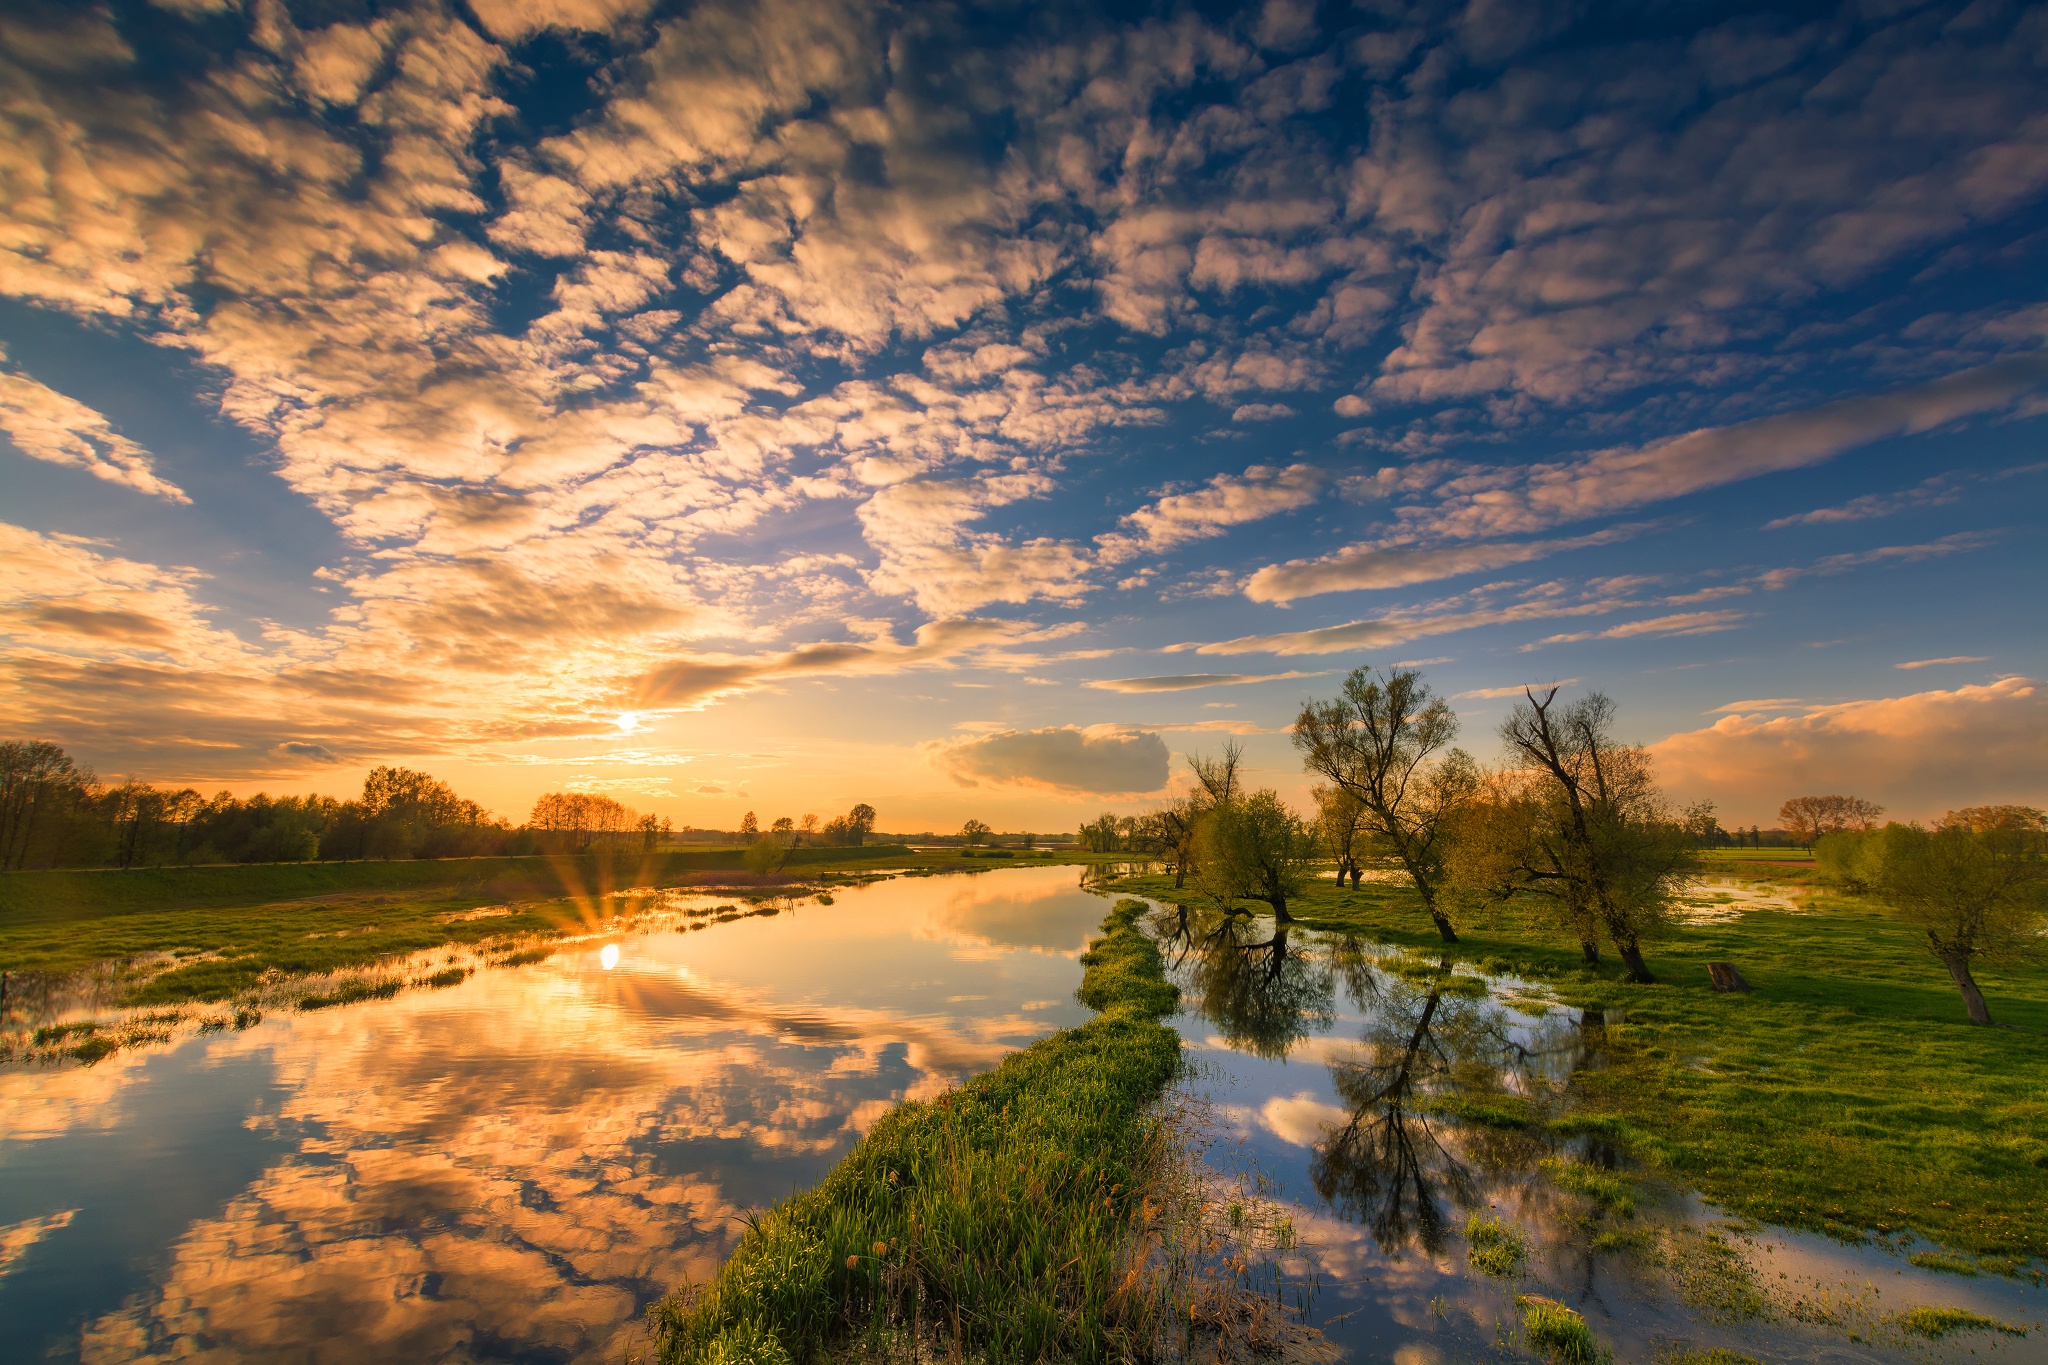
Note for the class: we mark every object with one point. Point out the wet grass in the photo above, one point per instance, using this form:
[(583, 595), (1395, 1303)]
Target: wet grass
[(349, 992), (1846, 1094), (1557, 1333), (1001, 1217), (1937, 1322), (1495, 1248)]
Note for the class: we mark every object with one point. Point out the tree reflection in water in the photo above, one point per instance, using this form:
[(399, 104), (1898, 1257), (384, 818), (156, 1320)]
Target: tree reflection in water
[(1263, 994), (1447, 1088)]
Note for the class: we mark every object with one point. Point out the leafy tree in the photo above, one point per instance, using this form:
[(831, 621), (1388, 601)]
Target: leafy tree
[(1808, 818), (40, 787), (1973, 884), (1340, 820), (974, 833), (1253, 848), (1578, 821), (1385, 741), (750, 828)]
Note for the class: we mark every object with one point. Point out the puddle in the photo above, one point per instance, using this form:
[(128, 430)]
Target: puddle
[(1415, 1121)]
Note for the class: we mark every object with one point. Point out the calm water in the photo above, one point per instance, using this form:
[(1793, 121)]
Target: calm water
[(1326, 1064), (512, 1168)]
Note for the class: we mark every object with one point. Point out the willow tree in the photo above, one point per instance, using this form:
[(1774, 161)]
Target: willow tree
[(1253, 848), (1976, 885), (1385, 740), (1595, 836)]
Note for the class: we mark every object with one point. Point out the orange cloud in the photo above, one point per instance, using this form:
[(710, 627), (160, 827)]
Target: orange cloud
[(1919, 754)]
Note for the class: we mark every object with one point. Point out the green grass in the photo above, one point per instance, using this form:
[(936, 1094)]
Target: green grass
[(1847, 1093), (1494, 1248), (349, 992), (1000, 1216), (1606, 1188), (1940, 1322), (1948, 1265), (1557, 1332), (234, 927)]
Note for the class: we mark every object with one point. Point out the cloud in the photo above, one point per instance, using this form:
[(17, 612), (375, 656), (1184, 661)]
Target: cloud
[(1679, 623), (1100, 761), (311, 753), (1518, 500), (1261, 412), (1917, 755), (1227, 500), (1959, 543), (1493, 693), (1469, 612), (1183, 682), (46, 425), (1763, 704), (1950, 659), (1934, 492), (1362, 567)]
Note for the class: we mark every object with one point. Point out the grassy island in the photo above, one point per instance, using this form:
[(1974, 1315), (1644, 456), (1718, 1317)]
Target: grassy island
[(1000, 1217)]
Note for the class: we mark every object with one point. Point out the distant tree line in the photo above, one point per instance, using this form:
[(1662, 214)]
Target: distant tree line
[(55, 813)]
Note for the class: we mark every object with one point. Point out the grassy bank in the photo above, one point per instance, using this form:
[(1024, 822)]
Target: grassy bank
[(237, 923), (1847, 1093), (998, 1217)]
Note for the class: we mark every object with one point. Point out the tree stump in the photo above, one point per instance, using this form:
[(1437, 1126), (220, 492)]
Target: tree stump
[(1726, 979)]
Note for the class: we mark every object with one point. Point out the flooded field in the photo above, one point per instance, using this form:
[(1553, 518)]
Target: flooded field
[(1406, 1135), (511, 1167)]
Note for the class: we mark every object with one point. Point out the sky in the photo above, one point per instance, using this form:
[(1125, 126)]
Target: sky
[(975, 409)]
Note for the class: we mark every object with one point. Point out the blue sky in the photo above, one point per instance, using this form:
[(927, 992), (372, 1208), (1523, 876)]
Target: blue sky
[(972, 409)]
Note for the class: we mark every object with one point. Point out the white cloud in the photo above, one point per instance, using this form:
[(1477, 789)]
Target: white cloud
[(1100, 761), (1678, 623), (1226, 500), (1495, 693), (1362, 567), (47, 425)]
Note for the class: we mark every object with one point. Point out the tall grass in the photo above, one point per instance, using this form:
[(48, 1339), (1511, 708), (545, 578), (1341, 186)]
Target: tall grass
[(1001, 1217)]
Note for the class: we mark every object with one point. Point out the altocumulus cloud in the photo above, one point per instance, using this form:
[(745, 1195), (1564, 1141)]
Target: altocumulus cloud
[(1096, 761)]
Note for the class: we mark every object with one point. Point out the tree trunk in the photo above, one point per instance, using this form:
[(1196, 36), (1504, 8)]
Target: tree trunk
[(1279, 904), (1443, 926), (1357, 876), (1632, 958), (1958, 965), (1591, 952)]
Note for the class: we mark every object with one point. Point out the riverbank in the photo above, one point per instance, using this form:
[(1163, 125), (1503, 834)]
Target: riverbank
[(208, 933), (1847, 1093), (1001, 1219)]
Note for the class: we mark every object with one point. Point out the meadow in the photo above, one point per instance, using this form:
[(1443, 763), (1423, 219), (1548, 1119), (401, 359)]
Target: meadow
[(1846, 1093), (227, 928)]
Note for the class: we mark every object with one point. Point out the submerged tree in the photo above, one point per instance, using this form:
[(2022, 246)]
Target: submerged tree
[(1974, 884), (1384, 741)]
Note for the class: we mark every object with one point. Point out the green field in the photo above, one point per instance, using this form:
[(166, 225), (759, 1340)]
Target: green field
[(240, 925), (1847, 1093)]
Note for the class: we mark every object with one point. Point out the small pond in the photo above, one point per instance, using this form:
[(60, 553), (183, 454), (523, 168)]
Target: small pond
[(1374, 1104), (513, 1167)]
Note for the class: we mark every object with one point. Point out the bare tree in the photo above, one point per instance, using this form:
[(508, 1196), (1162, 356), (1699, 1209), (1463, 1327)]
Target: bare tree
[(1601, 841), (1974, 884), (1384, 741), (1807, 818)]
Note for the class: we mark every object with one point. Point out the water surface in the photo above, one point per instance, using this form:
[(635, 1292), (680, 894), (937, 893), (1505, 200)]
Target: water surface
[(1377, 1102), (512, 1168)]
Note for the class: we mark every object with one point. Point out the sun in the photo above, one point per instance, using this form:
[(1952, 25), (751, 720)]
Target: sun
[(629, 721)]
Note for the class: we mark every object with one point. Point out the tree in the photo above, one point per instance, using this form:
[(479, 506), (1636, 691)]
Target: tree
[(860, 823), (1599, 838), (974, 833), (1807, 818), (39, 785), (1380, 741), (1340, 820), (1973, 884), (1253, 848), (750, 828)]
